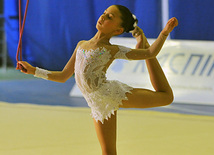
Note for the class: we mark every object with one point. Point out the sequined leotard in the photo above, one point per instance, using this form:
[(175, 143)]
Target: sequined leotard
[(102, 95)]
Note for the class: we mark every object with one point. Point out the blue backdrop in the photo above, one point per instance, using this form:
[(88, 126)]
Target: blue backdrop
[(196, 19), (54, 27)]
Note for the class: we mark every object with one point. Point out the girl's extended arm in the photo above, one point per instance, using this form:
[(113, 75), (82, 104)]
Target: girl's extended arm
[(57, 76), (154, 49)]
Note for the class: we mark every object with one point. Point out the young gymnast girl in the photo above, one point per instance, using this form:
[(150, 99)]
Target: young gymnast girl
[(90, 62)]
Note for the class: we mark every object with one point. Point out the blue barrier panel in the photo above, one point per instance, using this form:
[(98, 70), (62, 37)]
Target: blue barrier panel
[(53, 27), (195, 19)]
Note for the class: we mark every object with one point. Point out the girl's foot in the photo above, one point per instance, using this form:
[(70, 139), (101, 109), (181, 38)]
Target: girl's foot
[(146, 43), (171, 24)]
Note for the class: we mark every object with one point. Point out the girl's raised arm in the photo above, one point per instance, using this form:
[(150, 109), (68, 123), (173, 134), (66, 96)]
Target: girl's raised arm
[(154, 49)]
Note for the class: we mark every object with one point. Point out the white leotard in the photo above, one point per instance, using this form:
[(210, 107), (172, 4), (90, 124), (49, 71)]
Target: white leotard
[(103, 96)]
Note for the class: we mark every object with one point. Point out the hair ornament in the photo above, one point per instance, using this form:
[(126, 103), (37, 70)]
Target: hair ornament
[(135, 23), (135, 18)]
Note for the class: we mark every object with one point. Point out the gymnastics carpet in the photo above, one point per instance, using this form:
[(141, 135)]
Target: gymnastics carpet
[(27, 129)]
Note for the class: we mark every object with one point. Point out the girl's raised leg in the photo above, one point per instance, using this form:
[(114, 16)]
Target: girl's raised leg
[(144, 98), (157, 76), (106, 134)]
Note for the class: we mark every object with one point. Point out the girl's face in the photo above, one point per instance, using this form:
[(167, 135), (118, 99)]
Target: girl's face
[(110, 21)]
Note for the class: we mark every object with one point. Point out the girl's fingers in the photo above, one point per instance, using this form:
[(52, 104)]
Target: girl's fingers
[(137, 32), (23, 69), (21, 66), (18, 66)]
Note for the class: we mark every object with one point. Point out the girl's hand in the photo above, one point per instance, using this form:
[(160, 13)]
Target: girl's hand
[(171, 24), (140, 37), (25, 67), (138, 34)]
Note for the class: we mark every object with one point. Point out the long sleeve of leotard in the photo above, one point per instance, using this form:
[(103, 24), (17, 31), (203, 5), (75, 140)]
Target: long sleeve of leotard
[(139, 54), (157, 45)]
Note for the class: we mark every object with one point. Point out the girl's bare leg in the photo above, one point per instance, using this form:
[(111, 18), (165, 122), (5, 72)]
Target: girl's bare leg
[(152, 66), (106, 134), (144, 98)]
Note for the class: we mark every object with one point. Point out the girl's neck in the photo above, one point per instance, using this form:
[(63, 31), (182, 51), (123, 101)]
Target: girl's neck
[(101, 38)]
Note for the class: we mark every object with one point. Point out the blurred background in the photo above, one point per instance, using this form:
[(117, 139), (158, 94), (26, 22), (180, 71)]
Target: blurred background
[(53, 28)]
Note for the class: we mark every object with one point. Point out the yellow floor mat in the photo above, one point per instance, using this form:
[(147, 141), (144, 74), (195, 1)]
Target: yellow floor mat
[(27, 129)]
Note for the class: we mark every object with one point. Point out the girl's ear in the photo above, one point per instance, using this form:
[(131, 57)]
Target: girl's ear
[(119, 31)]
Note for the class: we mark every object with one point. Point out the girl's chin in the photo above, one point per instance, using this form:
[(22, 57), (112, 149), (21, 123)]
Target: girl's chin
[(99, 28)]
